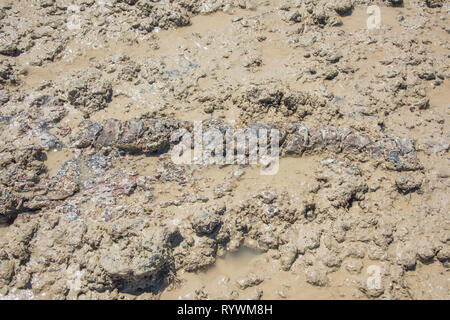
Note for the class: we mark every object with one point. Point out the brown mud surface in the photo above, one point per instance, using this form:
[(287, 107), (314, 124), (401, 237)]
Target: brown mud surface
[(94, 93)]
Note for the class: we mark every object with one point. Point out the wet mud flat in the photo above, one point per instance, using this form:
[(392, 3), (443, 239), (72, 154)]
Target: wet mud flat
[(92, 101)]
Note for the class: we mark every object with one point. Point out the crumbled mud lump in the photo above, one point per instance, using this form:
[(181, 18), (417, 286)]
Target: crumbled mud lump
[(88, 93), (10, 205), (95, 97), (204, 222), (342, 183), (434, 3), (137, 268), (288, 256), (342, 7), (250, 280)]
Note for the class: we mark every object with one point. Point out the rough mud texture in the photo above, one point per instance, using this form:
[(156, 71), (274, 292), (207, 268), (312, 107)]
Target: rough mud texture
[(92, 100)]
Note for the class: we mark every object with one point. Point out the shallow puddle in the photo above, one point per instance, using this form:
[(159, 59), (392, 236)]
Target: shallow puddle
[(55, 159)]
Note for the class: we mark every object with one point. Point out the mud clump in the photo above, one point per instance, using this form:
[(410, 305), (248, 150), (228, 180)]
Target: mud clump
[(434, 3), (342, 181), (205, 223), (88, 94)]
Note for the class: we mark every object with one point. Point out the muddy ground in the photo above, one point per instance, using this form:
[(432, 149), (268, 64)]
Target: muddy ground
[(93, 207)]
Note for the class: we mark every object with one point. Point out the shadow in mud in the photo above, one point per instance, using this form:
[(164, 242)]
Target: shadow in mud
[(151, 283), (347, 13), (244, 252), (137, 285)]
